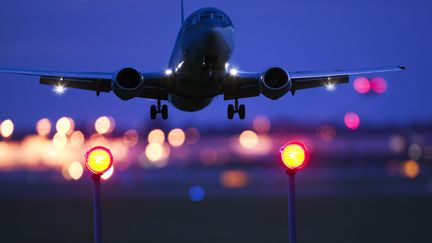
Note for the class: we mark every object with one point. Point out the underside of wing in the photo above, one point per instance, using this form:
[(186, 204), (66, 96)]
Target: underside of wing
[(136, 84), (274, 82)]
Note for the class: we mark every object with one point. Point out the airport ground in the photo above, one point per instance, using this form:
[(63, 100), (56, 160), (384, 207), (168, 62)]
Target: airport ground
[(320, 219)]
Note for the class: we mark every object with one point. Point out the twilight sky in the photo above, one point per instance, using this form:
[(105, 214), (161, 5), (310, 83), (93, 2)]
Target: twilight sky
[(105, 35)]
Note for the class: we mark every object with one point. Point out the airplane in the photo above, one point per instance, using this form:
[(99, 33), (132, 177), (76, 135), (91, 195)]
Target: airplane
[(197, 72)]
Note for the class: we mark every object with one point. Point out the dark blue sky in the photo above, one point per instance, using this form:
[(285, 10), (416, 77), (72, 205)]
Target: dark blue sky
[(97, 35)]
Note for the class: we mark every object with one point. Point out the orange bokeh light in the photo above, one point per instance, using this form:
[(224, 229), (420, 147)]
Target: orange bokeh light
[(294, 155), (156, 136), (98, 160), (248, 139), (411, 169), (176, 137)]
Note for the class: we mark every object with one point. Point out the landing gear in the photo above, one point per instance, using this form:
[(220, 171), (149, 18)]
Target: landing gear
[(230, 112), (154, 110), (164, 112), (236, 108)]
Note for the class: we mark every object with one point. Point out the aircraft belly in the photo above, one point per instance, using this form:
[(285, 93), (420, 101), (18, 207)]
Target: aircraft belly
[(188, 103)]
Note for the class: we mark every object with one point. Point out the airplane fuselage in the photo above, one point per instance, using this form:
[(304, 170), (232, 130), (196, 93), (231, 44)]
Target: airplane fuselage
[(200, 58)]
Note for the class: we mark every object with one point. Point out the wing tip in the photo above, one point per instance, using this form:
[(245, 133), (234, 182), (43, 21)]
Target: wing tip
[(402, 67)]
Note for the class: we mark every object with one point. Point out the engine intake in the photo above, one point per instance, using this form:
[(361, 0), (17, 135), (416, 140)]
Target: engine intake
[(127, 83), (275, 82)]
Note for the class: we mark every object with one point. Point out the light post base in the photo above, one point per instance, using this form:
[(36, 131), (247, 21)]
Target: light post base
[(292, 224), (97, 209)]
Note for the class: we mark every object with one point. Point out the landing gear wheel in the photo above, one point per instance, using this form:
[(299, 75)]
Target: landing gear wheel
[(230, 112), (164, 112), (242, 112), (153, 112)]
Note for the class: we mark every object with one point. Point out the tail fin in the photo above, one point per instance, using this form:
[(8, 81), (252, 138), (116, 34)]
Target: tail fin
[(182, 12)]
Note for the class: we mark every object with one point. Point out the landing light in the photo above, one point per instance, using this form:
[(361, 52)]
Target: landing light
[(168, 72), (233, 71), (330, 87), (180, 65), (59, 89)]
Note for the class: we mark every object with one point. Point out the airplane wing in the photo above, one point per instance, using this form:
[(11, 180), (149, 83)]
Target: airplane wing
[(94, 81), (246, 84)]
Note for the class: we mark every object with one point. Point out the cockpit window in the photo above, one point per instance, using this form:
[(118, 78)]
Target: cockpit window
[(219, 17), (206, 16)]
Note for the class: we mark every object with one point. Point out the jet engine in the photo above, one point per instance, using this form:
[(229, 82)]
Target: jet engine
[(127, 83), (275, 82)]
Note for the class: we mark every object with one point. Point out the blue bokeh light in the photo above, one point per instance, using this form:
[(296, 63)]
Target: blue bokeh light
[(196, 193)]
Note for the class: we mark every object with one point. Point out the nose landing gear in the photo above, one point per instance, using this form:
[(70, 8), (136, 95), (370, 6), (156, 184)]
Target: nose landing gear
[(162, 109), (236, 108)]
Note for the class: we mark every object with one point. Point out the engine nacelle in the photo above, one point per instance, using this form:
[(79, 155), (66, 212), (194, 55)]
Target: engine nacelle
[(275, 82), (127, 83)]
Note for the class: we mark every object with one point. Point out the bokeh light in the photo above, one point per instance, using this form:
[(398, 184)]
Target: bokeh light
[(176, 137), (43, 127), (75, 170), (6, 128), (261, 124), (59, 140), (362, 85), (415, 151), (154, 151), (130, 138), (65, 125), (107, 174), (248, 139), (77, 139), (156, 136), (192, 135), (397, 144), (410, 169), (378, 85), (196, 193), (104, 125), (352, 120), (234, 179), (327, 133)]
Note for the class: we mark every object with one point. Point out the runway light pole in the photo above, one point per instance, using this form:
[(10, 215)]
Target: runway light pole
[(295, 156), (98, 160)]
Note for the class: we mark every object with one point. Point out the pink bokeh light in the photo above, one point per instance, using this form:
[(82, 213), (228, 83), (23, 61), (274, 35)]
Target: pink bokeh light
[(362, 85), (378, 85), (352, 120)]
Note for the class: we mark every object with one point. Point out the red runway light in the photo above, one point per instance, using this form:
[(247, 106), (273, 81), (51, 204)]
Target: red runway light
[(362, 85), (294, 155), (98, 160)]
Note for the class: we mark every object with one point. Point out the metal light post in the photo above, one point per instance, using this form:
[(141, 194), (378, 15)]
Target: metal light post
[(295, 156), (98, 160)]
